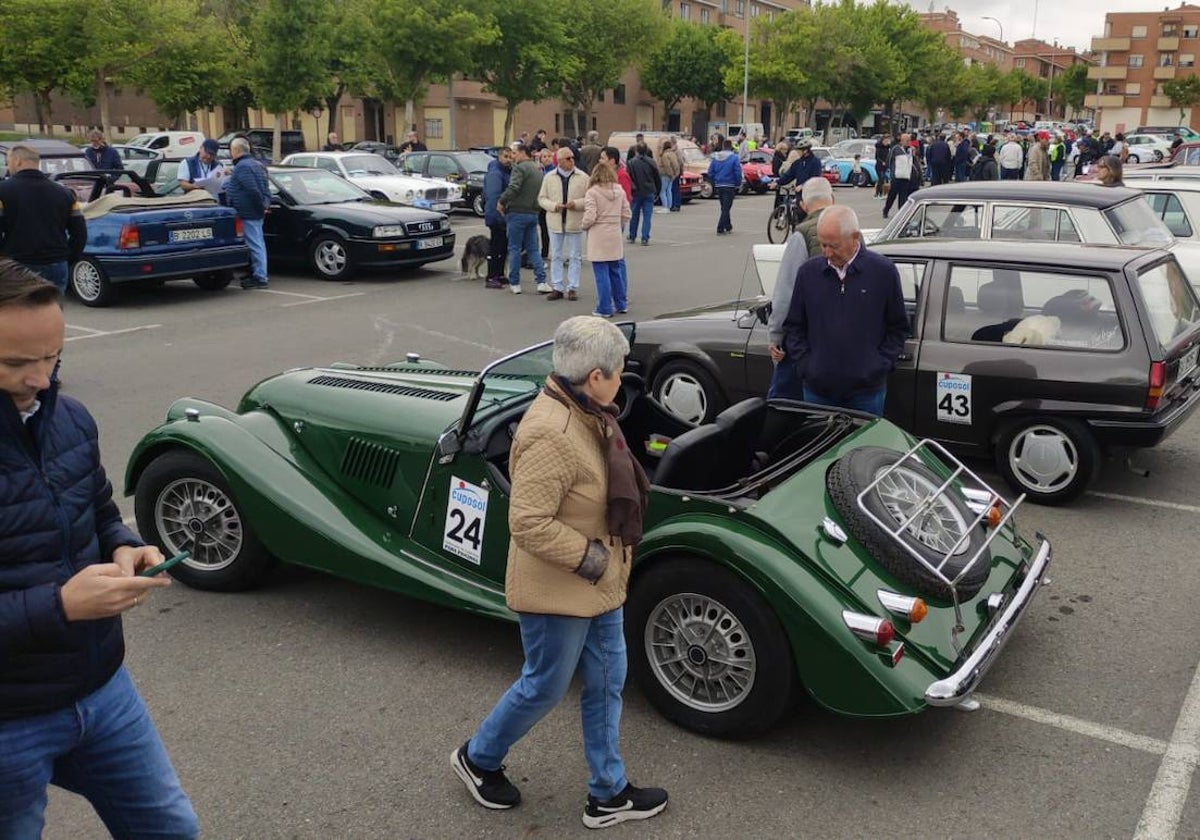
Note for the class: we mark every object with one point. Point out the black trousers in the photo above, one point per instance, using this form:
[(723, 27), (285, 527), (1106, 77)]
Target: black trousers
[(497, 251), (545, 231), (901, 188)]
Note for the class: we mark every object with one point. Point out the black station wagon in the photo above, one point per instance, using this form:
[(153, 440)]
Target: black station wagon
[(1042, 356)]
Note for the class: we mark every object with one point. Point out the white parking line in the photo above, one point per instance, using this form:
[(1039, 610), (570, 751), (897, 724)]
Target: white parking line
[(323, 299), (101, 333), (1079, 726), (1138, 500), (1164, 807), (291, 294)]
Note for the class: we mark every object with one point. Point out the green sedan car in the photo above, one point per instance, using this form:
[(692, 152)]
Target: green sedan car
[(788, 549)]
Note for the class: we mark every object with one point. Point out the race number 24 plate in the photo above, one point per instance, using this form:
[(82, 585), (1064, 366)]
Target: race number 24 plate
[(953, 398), (466, 512)]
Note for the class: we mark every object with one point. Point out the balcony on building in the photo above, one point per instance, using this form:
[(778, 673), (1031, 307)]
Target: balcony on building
[(1167, 72), (1109, 72), (1110, 44), (1168, 44), (1160, 101), (1105, 100)]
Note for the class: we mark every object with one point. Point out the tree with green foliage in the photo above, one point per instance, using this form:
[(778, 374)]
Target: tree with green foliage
[(1184, 93), (981, 84), (609, 37), (531, 55), (1072, 86), (1008, 90), (774, 72), (288, 64), (38, 51), (1034, 90), (915, 53), (353, 60), (692, 62)]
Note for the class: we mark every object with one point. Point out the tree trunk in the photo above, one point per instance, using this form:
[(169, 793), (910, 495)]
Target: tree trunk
[(331, 103), (48, 110), (277, 139), (409, 115), (452, 136), (510, 113), (102, 98), (37, 112)]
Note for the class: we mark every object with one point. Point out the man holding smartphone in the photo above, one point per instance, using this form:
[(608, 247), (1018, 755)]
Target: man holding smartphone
[(69, 712)]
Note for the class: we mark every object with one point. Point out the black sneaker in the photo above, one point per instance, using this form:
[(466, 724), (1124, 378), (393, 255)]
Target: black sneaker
[(633, 803), (491, 788)]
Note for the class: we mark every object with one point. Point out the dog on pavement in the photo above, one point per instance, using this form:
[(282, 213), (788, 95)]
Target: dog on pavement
[(475, 256)]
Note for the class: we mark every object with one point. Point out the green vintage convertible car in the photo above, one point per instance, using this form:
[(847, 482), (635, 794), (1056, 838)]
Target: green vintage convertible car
[(788, 548)]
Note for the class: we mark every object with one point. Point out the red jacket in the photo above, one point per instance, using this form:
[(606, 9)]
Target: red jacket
[(626, 182)]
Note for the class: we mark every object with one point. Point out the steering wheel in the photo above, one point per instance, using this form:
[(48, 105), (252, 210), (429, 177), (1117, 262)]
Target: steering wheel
[(633, 386)]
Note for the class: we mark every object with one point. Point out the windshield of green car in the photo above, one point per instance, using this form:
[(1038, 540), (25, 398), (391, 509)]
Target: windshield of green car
[(316, 186), (1170, 301), (368, 165), (1135, 223)]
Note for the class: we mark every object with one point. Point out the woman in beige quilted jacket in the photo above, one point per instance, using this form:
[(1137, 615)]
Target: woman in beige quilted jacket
[(575, 514)]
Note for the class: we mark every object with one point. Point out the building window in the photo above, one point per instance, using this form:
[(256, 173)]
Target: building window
[(771, 16), (755, 10), (739, 8), (1187, 60), (1138, 32), (1133, 89), (685, 11), (704, 15), (619, 95), (724, 6), (1020, 62), (1166, 59), (1136, 60), (1112, 89), (433, 129), (1170, 30), (721, 109), (1190, 30)]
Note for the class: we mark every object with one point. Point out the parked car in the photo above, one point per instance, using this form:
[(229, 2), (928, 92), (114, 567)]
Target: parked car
[(336, 228), (172, 144), (465, 168), (1186, 132), (761, 572), (691, 181), (137, 158), (376, 147), (1147, 148), (262, 141), (1174, 196), (844, 171), (1040, 357), (56, 156), (1187, 154), (135, 236), (384, 181), (756, 173)]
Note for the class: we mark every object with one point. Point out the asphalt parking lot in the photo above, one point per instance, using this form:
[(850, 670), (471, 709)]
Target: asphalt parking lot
[(314, 708)]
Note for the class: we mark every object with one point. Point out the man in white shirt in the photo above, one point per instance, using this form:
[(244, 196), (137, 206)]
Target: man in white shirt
[(1010, 157), (199, 166)]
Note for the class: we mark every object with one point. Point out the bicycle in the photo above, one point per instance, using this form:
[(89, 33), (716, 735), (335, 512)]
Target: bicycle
[(784, 219)]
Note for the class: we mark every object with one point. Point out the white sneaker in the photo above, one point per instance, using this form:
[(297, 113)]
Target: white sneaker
[(544, 288), (516, 290), (660, 212)]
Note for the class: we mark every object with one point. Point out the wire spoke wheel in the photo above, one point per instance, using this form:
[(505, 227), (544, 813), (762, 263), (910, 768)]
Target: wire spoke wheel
[(940, 525)]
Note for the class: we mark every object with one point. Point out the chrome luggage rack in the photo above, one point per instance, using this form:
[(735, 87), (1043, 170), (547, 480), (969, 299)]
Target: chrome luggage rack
[(980, 499)]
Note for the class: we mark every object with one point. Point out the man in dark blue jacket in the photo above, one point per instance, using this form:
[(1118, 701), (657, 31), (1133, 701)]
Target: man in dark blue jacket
[(847, 324), (494, 184), (69, 713), (725, 172), (248, 193)]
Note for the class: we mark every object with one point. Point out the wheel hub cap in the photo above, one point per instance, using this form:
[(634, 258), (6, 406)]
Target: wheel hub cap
[(683, 396), (700, 652), (193, 515), (332, 257), (939, 526), (1043, 458)]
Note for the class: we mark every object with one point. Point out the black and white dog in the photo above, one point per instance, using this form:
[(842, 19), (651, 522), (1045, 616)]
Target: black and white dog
[(475, 256)]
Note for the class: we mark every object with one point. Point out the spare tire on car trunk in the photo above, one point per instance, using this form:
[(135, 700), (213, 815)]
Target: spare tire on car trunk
[(931, 535)]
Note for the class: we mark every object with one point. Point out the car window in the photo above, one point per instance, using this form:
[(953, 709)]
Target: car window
[(308, 186), (414, 164), (945, 221), (368, 165), (1167, 207), (441, 166), (1031, 307), (1032, 223), (160, 142), (1135, 223), (329, 165), (55, 165), (1170, 301), (911, 276)]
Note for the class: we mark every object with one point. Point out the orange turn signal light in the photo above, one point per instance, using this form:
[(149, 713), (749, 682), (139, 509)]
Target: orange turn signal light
[(918, 611), (994, 516)]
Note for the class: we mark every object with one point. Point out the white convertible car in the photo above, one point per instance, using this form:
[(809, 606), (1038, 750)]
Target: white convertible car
[(375, 174)]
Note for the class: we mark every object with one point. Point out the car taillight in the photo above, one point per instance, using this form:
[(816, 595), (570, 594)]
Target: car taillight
[(128, 237), (238, 229), (870, 628), (1158, 379), (910, 608)]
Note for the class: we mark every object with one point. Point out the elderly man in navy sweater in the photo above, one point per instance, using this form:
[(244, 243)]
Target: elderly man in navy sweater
[(847, 323)]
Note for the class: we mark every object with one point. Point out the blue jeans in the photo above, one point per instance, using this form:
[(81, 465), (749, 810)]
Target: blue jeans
[(573, 244), (54, 272), (104, 748), (870, 402), (253, 229), (1056, 171), (556, 646), (523, 234), (610, 286), (664, 197), (785, 382), (643, 206), (725, 196), (676, 193)]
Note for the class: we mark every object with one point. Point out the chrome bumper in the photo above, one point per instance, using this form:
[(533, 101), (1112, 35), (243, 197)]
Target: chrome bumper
[(955, 688)]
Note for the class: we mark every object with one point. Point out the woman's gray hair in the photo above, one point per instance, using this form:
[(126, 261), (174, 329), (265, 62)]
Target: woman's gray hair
[(584, 343)]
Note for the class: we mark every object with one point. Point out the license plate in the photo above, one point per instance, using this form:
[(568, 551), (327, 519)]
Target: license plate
[(1187, 363), (190, 235), (442, 206), (432, 242)]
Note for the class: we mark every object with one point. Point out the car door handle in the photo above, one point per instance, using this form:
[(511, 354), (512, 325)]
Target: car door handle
[(904, 357)]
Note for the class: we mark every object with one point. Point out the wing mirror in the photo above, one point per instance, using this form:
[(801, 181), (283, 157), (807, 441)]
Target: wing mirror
[(448, 446)]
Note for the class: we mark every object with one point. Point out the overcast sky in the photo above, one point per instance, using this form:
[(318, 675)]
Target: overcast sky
[(1072, 22)]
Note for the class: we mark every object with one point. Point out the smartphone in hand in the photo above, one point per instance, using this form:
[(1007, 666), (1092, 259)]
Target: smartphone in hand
[(166, 564)]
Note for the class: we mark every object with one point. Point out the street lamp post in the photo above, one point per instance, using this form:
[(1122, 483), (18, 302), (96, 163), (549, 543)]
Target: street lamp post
[(1050, 89), (746, 72), (998, 23)]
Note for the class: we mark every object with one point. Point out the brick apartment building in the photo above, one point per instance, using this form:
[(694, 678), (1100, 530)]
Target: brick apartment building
[(478, 116), (975, 49), (1138, 52)]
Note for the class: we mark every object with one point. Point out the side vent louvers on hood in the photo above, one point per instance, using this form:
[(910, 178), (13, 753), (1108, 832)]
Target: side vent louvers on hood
[(370, 463), (383, 388)]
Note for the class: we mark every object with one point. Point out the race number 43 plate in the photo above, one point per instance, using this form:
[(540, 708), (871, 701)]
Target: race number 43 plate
[(953, 398), (466, 512)]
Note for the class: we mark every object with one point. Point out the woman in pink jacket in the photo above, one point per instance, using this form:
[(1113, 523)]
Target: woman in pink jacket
[(605, 211)]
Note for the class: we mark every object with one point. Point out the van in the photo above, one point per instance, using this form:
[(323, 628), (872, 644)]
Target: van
[(753, 130), (263, 139), (171, 144)]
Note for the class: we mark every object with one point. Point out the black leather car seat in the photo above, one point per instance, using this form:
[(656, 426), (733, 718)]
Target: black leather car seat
[(743, 427), (699, 459)]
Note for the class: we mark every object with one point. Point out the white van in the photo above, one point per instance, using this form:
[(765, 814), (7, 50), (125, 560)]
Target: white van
[(752, 130), (171, 144)]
